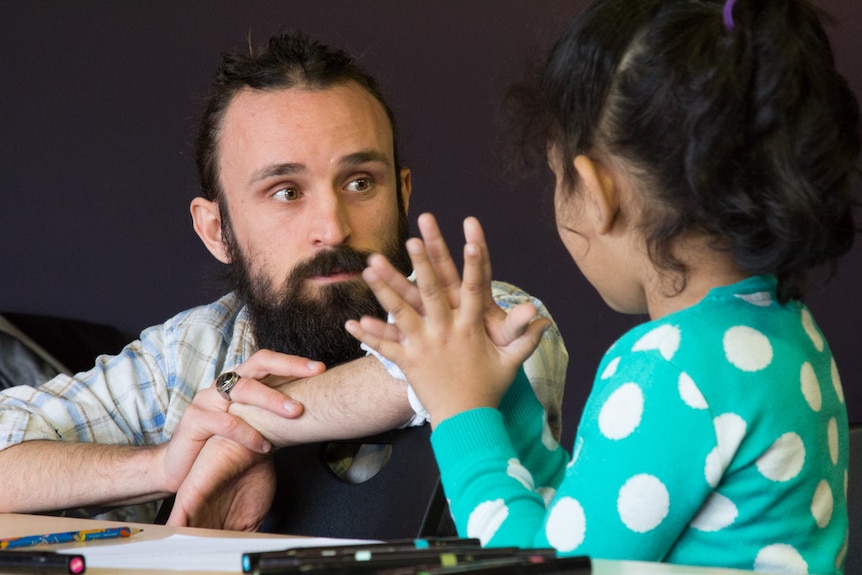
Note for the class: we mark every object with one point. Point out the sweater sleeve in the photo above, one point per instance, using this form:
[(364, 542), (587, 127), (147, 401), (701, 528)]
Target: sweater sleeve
[(500, 467)]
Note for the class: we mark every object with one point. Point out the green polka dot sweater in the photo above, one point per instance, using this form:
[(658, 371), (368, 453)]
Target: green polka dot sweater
[(716, 435)]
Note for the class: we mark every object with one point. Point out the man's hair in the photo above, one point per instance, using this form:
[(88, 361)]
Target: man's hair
[(290, 60)]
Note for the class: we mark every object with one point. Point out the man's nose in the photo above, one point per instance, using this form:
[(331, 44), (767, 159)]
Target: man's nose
[(331, 226)]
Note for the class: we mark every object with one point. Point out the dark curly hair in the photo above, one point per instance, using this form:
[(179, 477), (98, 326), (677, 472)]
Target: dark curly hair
[(290, 60), (746, 133)]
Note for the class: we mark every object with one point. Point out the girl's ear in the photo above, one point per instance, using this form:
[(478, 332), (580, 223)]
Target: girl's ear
[(600, 192), (206, 219)]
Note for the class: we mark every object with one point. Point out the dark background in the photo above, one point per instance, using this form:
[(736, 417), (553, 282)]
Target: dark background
[(100, 99)]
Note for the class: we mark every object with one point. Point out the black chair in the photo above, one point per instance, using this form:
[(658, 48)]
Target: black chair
[(853, 561), (404, 499)]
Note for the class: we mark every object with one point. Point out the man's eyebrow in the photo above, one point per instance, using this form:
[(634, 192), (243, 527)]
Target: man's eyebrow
[(286, 169), (365, 156)]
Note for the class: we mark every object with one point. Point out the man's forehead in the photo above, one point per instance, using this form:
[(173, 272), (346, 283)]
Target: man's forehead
[(333, 120), (299, 103)]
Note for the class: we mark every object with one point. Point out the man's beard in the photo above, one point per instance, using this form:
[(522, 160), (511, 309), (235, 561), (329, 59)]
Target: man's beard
[(289, 319)]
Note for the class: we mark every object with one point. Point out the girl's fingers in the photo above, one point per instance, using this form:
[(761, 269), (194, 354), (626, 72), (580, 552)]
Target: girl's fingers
[(441, 259), (404, 287), (473, 234), (525, 344), (388, 349), (435, 301), (474, 286), (380, 328), (402, 312)]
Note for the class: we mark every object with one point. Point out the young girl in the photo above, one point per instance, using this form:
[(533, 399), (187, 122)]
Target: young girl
[(705, 160)]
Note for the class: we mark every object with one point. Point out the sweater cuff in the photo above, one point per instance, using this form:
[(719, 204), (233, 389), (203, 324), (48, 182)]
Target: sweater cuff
[(480, 430), (520, 404)]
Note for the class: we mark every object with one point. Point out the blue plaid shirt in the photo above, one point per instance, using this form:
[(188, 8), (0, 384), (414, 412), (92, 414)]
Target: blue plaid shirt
[(171, 362)]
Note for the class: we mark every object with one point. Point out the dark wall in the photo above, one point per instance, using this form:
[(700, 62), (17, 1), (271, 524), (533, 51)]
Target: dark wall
[(99, 102)]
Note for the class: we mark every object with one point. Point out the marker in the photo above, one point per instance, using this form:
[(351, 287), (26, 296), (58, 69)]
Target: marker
[(368, 562), (41, 562), (67, 537), (251, 560), (578, 565)]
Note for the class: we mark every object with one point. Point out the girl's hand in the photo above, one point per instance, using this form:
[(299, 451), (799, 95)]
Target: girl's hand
[(458, 349)]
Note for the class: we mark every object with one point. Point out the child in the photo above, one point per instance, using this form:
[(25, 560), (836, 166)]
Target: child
[(705, 161)]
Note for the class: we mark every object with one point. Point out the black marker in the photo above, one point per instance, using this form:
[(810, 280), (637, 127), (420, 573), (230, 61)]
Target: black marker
[(368, 562), (579, 565), (251, 560), (41, 562)]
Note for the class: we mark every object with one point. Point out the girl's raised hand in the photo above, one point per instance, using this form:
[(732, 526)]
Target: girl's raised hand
[(457, 348)]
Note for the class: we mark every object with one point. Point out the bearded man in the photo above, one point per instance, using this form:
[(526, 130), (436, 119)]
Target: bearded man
[(300, 182)]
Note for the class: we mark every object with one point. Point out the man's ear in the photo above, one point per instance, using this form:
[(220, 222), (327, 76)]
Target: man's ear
[(600, 192), (206, 219), (405, 187)]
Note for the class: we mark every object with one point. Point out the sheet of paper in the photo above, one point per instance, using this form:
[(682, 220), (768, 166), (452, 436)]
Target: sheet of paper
[(190, 553)]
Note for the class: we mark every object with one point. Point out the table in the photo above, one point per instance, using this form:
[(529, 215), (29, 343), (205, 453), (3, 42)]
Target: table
[(17, 525)]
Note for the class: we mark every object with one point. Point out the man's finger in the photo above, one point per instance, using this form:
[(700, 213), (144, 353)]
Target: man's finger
[(252, 392), (270, 365)]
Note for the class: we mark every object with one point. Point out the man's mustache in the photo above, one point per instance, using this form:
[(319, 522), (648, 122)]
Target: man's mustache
[(338, 260)]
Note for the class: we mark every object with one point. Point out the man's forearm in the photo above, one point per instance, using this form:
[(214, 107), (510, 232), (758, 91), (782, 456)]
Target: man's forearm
[(52, 475), (352, 400)]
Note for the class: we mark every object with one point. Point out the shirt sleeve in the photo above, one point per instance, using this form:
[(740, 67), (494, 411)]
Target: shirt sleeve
[(545, 368), (98, 405)]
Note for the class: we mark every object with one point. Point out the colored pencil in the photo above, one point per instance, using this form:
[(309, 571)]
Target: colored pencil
[(67, 537)]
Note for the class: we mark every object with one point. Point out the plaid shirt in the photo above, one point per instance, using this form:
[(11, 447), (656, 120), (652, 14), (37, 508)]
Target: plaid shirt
[(171, 362)]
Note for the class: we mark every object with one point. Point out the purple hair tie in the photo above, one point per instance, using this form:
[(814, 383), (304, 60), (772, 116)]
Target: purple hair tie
[(728, 14)]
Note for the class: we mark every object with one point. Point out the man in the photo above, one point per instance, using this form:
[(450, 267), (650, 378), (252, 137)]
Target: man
[(301, 181)]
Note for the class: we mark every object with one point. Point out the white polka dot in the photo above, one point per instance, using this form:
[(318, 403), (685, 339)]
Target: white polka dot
[(761, 298), (811, 329), (621, 414), (519, 473), (611, 368), (729, 432), (689, 392), (579, 442), (713, 468), (836, 382), (784, 459), (664, 338), (780, 558), (822, 504), (547, 494), (548, 440), (643, 503), (747, 348), (566, 525), (486, 519), (832, 436), (717, 513), (810, 387), (840, 557)]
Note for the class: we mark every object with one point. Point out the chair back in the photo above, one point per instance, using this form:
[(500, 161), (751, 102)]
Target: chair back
[(853, 561), (403, 500)]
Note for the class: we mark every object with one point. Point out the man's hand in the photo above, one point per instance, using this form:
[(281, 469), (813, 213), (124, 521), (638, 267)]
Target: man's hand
[(354, 399), (228, 487), (216, 459)]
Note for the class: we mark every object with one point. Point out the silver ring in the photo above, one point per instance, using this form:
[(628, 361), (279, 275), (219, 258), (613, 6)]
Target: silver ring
[(226, 382)]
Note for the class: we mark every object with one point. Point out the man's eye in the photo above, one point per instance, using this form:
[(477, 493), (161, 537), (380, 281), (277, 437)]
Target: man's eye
[(360, 185), (287, 194)]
